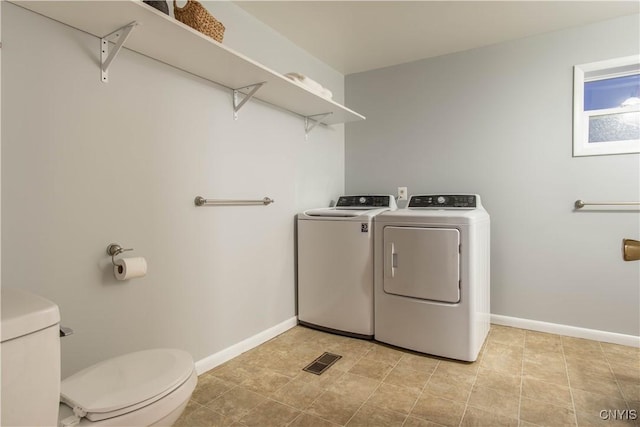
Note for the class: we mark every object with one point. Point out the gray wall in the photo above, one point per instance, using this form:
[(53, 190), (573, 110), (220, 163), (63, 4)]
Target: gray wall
[(498, 121), (85, 164)]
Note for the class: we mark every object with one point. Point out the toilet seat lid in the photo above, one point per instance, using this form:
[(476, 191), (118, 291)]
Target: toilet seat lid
[(122, 384)]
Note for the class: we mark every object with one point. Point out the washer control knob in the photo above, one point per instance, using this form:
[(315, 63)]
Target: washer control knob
[(441, 199)]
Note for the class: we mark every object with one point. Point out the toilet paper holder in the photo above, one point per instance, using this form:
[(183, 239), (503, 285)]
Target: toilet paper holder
[(114, 250)]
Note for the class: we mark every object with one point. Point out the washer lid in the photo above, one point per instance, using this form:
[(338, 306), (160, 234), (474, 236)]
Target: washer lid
[(127, 382), (336, 212), (24, 313)]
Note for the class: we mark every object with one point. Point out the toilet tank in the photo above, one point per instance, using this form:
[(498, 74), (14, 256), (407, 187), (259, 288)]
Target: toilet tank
[(30, 350)]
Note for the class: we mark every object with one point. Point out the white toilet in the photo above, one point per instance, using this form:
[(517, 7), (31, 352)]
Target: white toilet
[(145, 388)]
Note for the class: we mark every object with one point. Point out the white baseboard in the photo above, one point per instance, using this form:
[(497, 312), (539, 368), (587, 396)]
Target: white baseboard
[(570, 331), (228, 353)]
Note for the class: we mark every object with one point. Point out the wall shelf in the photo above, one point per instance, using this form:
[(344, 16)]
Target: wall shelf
[(165, 39)]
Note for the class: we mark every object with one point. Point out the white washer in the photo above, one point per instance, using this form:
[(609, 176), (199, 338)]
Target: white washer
[(335, 265), (432, 276)]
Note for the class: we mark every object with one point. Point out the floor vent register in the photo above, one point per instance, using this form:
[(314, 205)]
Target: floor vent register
[(322, 363)]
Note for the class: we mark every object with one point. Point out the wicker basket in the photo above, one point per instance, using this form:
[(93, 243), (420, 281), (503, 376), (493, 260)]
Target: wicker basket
[(197, 17)]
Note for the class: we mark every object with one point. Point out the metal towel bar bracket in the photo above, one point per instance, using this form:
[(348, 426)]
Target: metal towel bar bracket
[(579, 204), (201, 201)]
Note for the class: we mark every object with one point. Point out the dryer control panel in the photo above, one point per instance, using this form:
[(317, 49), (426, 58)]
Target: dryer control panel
[(443, 201)]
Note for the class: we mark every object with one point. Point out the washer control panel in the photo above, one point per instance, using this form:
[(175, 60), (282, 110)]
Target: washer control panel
[(366, 201), (443, 201)]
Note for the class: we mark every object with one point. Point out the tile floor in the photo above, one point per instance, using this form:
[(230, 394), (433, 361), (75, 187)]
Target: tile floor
[(521, 378)]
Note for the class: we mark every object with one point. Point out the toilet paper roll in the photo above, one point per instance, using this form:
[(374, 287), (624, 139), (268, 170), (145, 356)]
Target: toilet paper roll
[(130, 268)]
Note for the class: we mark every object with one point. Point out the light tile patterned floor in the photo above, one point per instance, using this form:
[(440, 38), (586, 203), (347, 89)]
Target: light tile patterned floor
[(521, 378)]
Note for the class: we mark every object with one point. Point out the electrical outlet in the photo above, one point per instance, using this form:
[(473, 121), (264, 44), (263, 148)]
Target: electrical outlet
[(402, 193)]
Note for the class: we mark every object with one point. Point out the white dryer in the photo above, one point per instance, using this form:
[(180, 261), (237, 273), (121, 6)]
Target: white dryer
[(432, 276), (335, 265)]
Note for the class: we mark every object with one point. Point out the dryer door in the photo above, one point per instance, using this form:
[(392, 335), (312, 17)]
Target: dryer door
[(422, 263)]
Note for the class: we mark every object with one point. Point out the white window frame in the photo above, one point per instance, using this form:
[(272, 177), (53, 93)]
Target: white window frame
[(617, 67)]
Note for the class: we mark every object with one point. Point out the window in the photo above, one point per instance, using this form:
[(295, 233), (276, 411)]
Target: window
[(606, 107)]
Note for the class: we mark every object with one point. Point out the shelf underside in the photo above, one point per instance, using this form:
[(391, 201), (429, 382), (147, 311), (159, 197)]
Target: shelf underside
[(161, 37)]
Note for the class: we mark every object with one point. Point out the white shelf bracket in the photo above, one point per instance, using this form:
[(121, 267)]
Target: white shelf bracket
[(118, 37), (239, 98), (311, 122)]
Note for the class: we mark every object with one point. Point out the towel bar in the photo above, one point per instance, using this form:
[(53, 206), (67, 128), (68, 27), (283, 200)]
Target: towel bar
[(201, 201), (579, 204)]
